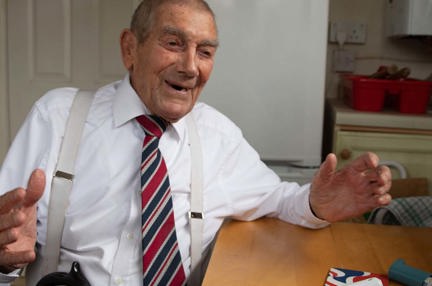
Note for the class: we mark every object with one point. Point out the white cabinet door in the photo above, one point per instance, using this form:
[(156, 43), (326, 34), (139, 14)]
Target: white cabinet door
[(414, 152), (55, 43)]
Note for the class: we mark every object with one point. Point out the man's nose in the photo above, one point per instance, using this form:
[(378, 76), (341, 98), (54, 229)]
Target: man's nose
[(189, 63)]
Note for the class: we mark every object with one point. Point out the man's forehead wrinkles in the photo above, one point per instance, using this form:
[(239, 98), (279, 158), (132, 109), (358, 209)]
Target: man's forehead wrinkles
[(171, 30), (174, 31), (211, 43)]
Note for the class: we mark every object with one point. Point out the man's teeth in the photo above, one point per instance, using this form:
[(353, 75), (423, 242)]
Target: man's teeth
[(179, 88)]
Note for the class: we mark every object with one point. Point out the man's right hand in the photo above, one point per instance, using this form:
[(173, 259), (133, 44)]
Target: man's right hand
[(18, 223)]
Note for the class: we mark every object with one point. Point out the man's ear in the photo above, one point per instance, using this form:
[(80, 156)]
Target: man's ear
[(128, 45)]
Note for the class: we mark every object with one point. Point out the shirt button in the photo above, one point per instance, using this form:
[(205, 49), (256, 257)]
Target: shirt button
[(118, 281), (130, 236)]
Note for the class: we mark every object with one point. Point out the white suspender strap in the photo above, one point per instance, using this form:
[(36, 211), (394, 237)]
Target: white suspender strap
[(196, 215), (63, 179), (62, 184)]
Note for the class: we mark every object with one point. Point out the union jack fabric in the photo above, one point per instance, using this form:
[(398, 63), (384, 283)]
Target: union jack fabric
[(340, 276)]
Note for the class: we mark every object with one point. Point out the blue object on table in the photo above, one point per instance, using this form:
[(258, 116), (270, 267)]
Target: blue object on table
[(407, 275)]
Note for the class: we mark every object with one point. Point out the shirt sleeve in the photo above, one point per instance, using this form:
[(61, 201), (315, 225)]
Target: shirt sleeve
[(37, 143), (27, 152), (5, 279), (254, 190)]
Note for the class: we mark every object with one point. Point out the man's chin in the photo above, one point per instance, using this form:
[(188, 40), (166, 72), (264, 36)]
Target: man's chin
[(174, 116)]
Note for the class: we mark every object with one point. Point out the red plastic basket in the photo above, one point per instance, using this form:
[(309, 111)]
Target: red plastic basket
[(367, 94)]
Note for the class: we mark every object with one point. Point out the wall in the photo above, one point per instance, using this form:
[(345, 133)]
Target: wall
[(4, 116), (378, 49)]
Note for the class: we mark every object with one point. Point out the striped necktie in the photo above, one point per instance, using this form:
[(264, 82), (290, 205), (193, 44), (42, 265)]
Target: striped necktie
[(162, 264)]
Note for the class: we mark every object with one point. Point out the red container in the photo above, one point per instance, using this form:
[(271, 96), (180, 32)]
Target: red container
[(367, 94)]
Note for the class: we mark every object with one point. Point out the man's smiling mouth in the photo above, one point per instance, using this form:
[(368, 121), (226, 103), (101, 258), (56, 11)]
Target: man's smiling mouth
[(178, 87)]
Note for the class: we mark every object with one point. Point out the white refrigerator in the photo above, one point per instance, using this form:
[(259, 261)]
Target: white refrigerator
[(269, 78)]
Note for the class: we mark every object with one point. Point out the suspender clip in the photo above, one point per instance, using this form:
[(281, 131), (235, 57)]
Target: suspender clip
[(196, 215), (64, 175)]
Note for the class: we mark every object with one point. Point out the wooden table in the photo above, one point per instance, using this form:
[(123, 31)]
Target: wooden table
[(272, 252)]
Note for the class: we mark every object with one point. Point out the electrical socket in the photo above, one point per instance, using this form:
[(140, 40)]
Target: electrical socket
[(354, 33), (343, 61)]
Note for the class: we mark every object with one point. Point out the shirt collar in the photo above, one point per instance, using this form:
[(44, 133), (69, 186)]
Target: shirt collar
[(127, 105)]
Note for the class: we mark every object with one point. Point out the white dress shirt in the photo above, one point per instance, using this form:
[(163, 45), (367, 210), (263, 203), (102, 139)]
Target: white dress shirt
[(102, 223)]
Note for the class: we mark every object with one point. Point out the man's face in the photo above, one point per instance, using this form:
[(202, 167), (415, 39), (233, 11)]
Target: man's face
[(170, 68)]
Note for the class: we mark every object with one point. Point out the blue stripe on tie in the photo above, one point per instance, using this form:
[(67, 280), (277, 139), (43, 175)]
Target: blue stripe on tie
[(151, 147), (147, 237), (161, 256), (153, 125), (150, 170), (172, 269), (160, 123), (153, 165), (151, 206), (158, 228)]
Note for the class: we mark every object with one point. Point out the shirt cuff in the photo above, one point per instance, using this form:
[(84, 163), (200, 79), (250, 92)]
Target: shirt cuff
[(310, 219), (10, 277)]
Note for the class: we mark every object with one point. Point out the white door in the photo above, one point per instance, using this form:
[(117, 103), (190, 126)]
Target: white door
[(56, 43)]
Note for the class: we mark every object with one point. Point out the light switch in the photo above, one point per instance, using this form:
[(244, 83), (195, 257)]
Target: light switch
[(343, 60)]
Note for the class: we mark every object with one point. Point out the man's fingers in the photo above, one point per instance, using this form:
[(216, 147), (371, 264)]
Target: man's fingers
[(328, 167), (380, 176), (13, 219), (11, 199), (19, 258), (384, 199), (22, 197), (365, 162), (35, 187)]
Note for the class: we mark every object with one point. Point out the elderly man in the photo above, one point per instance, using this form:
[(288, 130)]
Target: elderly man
[(109, 226)]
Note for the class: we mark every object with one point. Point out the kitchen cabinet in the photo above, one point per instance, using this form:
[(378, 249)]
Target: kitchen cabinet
[(396, 137)]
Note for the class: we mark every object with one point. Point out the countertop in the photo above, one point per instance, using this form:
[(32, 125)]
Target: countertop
[(345, 115)]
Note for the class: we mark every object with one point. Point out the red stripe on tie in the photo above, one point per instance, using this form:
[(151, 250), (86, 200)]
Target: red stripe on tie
[(156, 195)]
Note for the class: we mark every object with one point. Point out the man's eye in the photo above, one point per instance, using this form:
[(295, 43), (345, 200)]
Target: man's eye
[(206, 53), (172, 43)]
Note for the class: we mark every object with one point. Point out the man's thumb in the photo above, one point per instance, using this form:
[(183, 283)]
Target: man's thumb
[(328, 167), (35, 187)]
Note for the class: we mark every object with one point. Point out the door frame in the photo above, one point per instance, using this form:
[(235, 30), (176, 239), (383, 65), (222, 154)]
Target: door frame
[(4, 102)]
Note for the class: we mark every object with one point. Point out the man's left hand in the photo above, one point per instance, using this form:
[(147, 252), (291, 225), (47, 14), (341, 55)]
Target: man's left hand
[(352, 191)]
